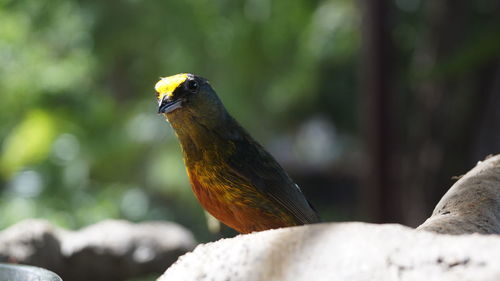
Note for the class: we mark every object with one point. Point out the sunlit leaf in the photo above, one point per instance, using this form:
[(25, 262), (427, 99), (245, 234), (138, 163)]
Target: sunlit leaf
[(28, 143)]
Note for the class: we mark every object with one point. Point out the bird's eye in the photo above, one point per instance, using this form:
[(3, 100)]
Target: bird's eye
[(192, 86)]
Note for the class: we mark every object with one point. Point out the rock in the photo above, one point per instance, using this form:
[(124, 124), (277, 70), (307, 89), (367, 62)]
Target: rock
[(472, 204), (120, 250), (342, 251), (111, 250), (32, 242)]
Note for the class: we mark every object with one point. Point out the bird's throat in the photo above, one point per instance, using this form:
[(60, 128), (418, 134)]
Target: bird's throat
[(202, 143)]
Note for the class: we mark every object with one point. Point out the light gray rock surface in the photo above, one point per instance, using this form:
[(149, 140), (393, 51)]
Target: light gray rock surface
[(472, 204), (111, 250), (342, 251)]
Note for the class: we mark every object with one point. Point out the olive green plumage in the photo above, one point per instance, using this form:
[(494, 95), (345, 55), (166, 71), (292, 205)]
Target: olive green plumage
[(233, 177)]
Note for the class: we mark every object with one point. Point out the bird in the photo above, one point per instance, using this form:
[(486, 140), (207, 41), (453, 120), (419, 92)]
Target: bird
[(233, 177)]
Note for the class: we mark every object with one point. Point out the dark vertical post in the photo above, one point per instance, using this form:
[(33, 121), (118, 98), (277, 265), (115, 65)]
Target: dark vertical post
[(380, 196)]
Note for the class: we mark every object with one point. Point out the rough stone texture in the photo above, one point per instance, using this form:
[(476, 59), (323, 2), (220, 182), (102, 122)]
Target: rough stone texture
[(342, 251), (108, 251), (472, 204)]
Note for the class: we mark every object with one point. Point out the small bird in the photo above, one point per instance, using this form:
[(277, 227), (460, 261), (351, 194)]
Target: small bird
[(233, 177)]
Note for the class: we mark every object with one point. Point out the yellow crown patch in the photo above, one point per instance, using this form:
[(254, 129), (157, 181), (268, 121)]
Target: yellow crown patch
[(167, 85)]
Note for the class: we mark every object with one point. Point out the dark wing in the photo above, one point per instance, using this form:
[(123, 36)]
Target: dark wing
[(255, 165)]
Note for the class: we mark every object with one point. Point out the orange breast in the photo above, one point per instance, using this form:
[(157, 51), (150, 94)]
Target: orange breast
[(244, 209)]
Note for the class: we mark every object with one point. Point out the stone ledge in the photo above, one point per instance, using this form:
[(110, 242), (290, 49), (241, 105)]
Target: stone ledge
[(342, 251)]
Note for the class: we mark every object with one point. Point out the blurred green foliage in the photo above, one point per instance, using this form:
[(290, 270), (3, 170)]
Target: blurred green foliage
[(80, 137)]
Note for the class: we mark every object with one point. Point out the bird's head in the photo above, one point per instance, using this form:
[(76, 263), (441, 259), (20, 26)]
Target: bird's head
[(187, 95)]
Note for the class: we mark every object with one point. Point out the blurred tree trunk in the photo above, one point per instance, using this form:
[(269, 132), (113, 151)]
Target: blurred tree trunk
[(488, 129), (380, 193), (446, 108), (424, 150)]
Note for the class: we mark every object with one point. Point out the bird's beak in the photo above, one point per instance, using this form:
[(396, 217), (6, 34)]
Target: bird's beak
[(167, 105)]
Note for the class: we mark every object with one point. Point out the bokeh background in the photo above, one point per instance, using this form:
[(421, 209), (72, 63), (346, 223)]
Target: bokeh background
[(371, 106)]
